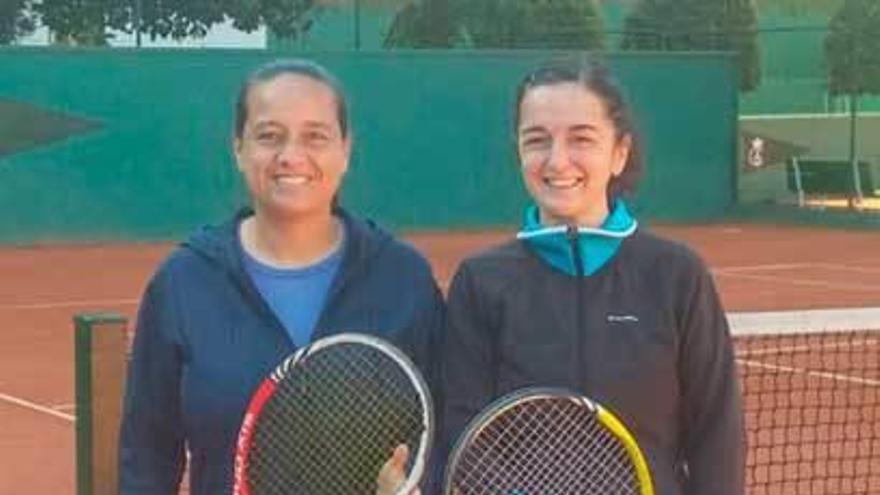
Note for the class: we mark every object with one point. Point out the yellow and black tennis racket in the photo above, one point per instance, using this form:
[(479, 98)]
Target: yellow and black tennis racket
[(546, 441), (329, 417)]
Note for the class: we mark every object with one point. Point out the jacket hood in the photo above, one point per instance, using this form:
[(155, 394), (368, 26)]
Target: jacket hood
[(220, 245)]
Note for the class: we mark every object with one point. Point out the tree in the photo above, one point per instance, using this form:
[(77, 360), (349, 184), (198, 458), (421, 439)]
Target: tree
[(83, 22), (90, 22), (17, 19), (175, 19), (852, 49), (286, 18), (425, 24), (852, 55), (803, 6), (498, 24), (696, 25)]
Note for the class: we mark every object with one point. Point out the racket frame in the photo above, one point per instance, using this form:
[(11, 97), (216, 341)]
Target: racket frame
[(500, 406), (265, 390)]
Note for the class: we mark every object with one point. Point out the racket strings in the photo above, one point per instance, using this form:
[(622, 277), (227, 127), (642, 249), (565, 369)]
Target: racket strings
[(545, 447), (612, 462), (333, 423)]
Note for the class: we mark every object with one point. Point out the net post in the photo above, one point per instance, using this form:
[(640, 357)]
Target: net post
[(100, 349)]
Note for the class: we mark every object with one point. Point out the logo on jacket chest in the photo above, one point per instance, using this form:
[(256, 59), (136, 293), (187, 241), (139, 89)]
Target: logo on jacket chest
[(622, 318)]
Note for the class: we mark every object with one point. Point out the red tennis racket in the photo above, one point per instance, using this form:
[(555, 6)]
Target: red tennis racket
[(328, 418)]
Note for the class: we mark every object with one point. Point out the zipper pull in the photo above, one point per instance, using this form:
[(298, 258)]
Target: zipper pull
[(571, 232)]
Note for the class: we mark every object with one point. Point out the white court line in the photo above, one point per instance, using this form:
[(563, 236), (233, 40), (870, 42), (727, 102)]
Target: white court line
[(859, 261), (776, 266), (817, 374), (71, 304), (875, 288), (794, 116), (793, 266), (36, 407), (816, 321), (848, 268)]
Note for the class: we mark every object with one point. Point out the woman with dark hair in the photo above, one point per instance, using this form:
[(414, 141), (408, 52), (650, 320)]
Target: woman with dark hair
[(586, 299), (232, 301)]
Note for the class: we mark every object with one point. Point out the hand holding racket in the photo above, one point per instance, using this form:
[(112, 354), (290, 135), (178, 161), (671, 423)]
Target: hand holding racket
[(392, 476), (331, 418), (543, 441)]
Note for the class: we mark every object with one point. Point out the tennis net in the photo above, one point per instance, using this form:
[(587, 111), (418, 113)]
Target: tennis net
[(811, 384), (811, 381)]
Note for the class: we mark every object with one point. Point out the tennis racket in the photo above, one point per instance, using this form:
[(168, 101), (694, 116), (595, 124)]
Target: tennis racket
[(328, 418), (546, 441)]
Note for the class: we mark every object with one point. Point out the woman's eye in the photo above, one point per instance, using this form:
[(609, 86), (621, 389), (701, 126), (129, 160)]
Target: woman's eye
[(317, 137), (268, 137), (536, 142)]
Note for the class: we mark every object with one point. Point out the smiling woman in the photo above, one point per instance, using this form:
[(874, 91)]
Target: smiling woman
[(235, 299), (292, 149), (585, 299)]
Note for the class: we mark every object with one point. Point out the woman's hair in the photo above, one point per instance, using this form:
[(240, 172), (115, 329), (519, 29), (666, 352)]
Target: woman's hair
[(294, 66), (596, 78)]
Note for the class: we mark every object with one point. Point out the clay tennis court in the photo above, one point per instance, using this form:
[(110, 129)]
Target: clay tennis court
[(757, 268)]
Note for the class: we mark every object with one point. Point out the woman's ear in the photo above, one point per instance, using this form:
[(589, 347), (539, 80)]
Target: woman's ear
[(620, 154), (236, 150), (346, 143)]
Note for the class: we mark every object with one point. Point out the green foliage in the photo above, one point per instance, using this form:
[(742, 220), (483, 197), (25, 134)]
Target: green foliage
[(83, 22), (178, 19), (89, 22), (17, 19), (698, 25), (426, 24), (286, 18), (796, 7), (852, 48), (497, 24)]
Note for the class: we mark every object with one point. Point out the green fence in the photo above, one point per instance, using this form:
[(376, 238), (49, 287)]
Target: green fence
[(134, 145)]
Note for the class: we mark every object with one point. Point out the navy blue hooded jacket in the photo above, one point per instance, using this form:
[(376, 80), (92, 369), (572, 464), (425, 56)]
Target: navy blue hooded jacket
[(206, 338)]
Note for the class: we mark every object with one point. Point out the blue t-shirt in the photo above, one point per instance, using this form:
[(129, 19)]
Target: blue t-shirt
[(296, 295)]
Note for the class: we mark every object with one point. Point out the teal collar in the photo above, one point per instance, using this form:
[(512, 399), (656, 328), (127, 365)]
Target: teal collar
[(596, 246)]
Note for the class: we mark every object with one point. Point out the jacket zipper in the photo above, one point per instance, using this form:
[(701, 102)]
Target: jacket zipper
[(580, 375)]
